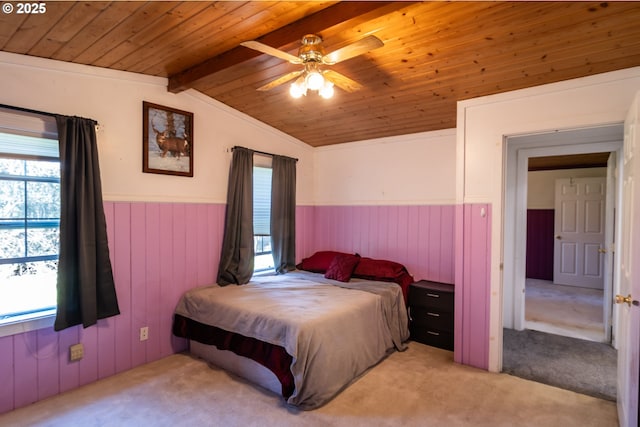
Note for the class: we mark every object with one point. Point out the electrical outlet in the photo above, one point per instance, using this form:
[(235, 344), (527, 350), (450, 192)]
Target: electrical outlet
[(76, 352), (144, 333)]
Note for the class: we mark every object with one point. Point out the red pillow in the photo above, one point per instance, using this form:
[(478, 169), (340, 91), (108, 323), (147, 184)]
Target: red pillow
[(384, 271), (318, 262), (341, 267), (378, 269)]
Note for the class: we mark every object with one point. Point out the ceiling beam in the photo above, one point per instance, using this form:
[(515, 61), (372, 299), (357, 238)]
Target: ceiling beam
[(290, 33)]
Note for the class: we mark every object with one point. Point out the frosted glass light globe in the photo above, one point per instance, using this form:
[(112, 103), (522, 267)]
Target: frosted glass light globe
[(297, 90), (327, 91), (314, 80)]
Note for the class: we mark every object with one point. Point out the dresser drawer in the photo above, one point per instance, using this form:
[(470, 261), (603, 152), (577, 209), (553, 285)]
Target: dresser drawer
[(431, 294), (424, 317), (432, 337)]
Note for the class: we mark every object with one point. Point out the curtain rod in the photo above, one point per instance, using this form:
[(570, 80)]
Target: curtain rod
[(29, 110), (262, 152)]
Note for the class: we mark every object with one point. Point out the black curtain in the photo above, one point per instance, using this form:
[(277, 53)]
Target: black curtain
[(86, 290), (283, 213), (236, 259)]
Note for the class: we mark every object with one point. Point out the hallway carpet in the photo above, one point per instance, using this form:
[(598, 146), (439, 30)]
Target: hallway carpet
[(564, 310), (582, 366)]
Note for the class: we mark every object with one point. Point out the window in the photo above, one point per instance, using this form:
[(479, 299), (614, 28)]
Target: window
[(262, 218), (29, 218)]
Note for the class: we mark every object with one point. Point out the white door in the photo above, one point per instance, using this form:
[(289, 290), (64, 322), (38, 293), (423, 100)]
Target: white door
[(609, 232), (629, 284), (579, 232)]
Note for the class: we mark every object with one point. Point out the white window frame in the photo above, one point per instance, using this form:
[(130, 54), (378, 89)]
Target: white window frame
[(27, 124)]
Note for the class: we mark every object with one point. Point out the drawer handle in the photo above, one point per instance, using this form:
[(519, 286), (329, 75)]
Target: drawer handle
[(433, 333), (432, 314), (433, 295), (409, 313)]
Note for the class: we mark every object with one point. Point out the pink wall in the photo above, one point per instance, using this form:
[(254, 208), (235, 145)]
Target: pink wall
[(450, 244), (473, 256), (420, 237), (160, 250)]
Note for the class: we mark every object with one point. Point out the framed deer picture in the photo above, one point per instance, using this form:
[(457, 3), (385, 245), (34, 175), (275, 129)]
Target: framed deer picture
[(167, 140)]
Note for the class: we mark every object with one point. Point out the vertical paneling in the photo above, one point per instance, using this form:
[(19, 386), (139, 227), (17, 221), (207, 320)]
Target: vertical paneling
[(420, 237), (158, 251), (305, 234), (138, 283), (122, 276), (447, 245), (25, 364), (166, 277), (47, 355), (6, 374), (152, 278), (473, 286), (106, 327), (180, 276), (203, 256), (69, 371), (89, 364)]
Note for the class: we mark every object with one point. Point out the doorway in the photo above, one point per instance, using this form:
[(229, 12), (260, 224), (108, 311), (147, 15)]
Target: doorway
[(565, 245), (520, 151)]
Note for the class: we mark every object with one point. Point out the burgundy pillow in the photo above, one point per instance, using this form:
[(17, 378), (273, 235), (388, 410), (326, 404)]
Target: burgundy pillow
[(378, 269), (384, 271), (318, 262), (342, 267)]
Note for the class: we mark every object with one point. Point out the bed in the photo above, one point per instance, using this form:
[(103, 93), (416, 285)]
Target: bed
[(304, 335)]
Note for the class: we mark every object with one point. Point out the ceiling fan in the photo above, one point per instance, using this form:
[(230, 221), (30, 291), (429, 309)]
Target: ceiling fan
[(312, 56)]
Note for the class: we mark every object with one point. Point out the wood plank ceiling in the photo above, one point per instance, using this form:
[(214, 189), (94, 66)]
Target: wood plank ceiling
[(434, 53)]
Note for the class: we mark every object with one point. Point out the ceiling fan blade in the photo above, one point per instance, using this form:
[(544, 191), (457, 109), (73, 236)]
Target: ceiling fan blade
[(354, 49), (260, 47), (342, 81), (280, 80)]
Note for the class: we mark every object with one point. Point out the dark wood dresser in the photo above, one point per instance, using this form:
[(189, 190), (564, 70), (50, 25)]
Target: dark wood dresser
[(431, 313)]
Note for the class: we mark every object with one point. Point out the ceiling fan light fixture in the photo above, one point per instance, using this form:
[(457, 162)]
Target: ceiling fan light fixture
[(298, 88), (327, 90), (311, 55), (314, 80)]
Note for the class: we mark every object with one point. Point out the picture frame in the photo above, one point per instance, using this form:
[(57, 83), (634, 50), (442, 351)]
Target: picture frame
[(167, 140)]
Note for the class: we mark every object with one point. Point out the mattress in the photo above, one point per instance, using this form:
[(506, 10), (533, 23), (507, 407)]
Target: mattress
[(332, 331)]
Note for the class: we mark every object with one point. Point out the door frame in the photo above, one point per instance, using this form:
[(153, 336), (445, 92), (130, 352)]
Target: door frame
[(518, 150)]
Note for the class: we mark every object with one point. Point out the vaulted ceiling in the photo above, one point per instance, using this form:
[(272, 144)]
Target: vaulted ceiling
[(434, 53)]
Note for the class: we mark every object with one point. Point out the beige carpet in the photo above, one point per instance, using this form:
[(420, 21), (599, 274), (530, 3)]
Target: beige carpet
[(564, 310), (419, 387)]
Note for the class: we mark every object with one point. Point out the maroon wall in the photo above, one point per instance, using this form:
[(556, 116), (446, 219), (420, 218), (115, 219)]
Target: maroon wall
[(540, 243)]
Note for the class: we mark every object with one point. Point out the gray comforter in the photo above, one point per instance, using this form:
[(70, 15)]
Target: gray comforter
[(333, 330)]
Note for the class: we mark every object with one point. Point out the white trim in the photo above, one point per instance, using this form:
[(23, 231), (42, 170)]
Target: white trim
[(26, 323), (430, 202), (518, 151), (159, 198)]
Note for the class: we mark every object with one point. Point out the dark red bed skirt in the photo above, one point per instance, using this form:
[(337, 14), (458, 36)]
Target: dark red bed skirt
[(273, 357)]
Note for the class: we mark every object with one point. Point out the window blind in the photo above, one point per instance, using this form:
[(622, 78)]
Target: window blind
[(28, 146), (261, 201), (28, 134)]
